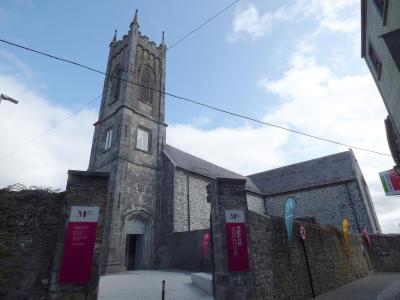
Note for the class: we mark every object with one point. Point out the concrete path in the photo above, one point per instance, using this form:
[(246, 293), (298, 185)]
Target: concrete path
[(379, 286), (146, 285)]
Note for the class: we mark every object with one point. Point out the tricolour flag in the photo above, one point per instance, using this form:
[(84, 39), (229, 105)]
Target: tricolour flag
[(390, 182)]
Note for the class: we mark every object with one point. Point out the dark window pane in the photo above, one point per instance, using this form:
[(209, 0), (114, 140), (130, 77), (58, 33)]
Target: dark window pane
[(392, 40), (380, 4), (376, 62), (118, 76)]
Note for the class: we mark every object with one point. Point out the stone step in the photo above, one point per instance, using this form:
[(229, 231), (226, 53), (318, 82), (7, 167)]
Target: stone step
[(202, 281)]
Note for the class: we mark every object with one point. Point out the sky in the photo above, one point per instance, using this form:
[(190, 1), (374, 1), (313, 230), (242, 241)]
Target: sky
[(294, 63)]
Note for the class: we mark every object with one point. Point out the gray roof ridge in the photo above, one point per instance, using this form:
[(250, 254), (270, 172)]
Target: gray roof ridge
[(300, 163), (250, 186), (199, 158), (169, 156), (311, 186)]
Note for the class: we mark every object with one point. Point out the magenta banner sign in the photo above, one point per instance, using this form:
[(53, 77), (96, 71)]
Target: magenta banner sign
[(366, 236), (238, 257), (206, 239), (77, 261)]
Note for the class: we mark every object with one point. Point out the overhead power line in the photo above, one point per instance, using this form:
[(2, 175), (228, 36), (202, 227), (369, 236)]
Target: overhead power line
[(94, 70), (203, 24), (196, 102)]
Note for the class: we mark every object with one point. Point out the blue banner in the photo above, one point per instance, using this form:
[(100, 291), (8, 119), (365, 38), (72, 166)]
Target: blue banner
[(289, 216)]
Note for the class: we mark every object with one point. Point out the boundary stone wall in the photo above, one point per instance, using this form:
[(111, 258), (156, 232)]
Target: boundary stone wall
[(83, 189), (385, 252), (184, 252), (29, 224), (32, 236), (278, 270), (332, 262), (226, 193)]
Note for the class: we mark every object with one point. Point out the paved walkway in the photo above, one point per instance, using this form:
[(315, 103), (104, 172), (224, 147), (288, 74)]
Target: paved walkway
[(146, 285), (379, 286)]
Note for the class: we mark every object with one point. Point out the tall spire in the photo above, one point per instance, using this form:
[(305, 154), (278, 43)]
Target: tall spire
[(135, 21), (114, 40)]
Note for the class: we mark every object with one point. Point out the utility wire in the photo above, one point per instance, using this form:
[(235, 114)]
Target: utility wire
[(203, 24), (94, 70), (197, 102), (48, 130)]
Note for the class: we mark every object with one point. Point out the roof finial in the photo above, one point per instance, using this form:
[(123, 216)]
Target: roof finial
[(135, 21), (114, 40), (162, 39)]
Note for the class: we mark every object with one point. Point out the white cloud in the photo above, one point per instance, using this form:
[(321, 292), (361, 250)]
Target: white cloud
[(314, 100), (330, 15), (243, 149), (249, 22), (44, 162), (348, 109)]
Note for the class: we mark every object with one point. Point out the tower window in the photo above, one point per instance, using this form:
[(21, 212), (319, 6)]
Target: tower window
[(116, 84), (108, 139), (374, 59), (143, 139), (147, 86)]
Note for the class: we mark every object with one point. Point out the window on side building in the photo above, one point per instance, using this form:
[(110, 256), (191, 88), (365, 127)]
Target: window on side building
[(381, 6), (108, 139), (143, 139), (375, 61)]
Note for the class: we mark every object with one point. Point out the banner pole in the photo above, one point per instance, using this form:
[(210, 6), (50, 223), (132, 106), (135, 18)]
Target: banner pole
[(308, 268)]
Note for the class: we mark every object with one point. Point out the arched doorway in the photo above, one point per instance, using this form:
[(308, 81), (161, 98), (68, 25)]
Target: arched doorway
[(134, 245)]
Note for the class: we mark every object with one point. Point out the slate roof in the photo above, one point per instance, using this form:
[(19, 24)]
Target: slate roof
[(324, 170), (202, 167)]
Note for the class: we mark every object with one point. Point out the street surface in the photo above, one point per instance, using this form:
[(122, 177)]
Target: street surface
[(379, 286), (146, 285)]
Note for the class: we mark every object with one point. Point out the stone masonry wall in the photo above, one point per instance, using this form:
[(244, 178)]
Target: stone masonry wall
[(385, 252), (278, 269), (180, 249), (166, 222), (260, 236), (255, 203), (328, 204), (29, 223), (228, 194), (332, 262), (184, 252), (192, 212), (180, 204), (198, 205), (32, 235), (83, 189)]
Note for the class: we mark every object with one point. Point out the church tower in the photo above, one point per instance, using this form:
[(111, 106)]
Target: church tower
[(128, 140)]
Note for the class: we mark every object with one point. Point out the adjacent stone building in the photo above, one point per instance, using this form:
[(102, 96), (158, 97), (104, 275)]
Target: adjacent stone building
[(157, 193), (380, 47), (329, 189)]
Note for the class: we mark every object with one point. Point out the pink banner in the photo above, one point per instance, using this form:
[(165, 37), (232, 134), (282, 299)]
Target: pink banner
[(366, 236), (206, 239), (77, 261), (238, 257)]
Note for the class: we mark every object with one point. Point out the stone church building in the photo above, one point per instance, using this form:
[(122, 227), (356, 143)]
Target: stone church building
[(158, 192)]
